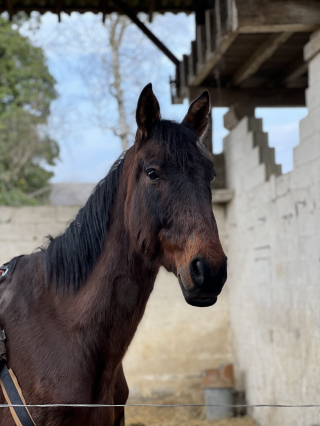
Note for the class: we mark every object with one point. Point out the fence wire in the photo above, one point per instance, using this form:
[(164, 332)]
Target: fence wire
[(160, 405)]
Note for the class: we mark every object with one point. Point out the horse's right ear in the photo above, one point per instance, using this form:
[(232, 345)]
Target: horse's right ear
[(197, 115), (148, 112)]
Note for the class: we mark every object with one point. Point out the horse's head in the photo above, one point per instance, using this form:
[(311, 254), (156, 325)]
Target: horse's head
[(169, 210)]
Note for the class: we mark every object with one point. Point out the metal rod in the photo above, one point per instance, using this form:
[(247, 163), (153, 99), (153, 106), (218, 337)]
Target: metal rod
[(161, 405), (131, 14)]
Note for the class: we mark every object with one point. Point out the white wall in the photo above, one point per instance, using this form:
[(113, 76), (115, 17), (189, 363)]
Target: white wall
[(274, 269)]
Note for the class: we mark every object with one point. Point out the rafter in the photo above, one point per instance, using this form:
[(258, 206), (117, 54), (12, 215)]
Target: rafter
[(131, 14), (10, 8), (268, 97), (277, 16), (212, 60), (264, 52), (295, 70)]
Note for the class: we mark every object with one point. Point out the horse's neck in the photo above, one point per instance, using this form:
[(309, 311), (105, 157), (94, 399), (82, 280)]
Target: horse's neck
[(109, 307)]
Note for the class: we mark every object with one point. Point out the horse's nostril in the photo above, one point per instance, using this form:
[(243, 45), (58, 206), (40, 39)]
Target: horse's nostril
[(197, 268), (197, 271), (203, 277)]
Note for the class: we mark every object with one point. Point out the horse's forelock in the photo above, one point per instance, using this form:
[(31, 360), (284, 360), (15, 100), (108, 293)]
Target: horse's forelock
[(177, 139)]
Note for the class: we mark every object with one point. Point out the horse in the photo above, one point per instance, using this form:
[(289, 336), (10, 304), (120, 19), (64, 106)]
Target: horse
[(71, 309)]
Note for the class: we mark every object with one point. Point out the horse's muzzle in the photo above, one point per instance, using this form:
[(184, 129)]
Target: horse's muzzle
[(206, 285), (204, 278), (194, 300)]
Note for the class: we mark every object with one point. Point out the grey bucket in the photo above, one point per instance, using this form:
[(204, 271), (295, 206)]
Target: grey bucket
[(216, 396)]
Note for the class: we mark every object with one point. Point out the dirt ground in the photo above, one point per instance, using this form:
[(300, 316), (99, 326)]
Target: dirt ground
[(179, 416)]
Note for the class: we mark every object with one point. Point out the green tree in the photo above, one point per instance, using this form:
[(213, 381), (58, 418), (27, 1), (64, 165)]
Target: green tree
[(26, 91)]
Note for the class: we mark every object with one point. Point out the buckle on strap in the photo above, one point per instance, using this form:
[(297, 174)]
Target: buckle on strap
[(3, 350), (2, 336), (3, 271)]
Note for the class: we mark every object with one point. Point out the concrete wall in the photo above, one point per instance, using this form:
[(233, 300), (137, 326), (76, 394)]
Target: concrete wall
[(273, 251), (174, 343)]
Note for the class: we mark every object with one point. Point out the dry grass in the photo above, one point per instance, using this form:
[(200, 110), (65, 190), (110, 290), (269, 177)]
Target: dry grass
[(178, 416)]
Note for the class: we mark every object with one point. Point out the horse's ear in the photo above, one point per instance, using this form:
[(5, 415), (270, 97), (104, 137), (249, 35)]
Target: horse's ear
[(148, 111), (197, 115)]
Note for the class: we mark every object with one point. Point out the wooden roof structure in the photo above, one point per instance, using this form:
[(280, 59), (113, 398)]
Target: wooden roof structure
[(98, 6), (249, 51), (128, 7), (245, 51)]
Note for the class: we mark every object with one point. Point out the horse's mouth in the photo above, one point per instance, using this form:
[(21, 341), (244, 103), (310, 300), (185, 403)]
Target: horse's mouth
[(201, 302)]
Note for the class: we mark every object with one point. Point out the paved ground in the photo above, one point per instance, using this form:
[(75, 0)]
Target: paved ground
[(181, 416)]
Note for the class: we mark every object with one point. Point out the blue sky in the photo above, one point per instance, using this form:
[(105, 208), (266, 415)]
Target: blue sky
[(87, 149)]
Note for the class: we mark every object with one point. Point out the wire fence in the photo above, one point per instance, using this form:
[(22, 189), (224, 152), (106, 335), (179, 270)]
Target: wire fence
[(161, 405)]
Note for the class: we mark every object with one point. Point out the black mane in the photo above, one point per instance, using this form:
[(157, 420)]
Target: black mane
[(71, 257)]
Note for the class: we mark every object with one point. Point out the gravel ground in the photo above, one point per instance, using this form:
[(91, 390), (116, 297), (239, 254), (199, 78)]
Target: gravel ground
[(179, 416)]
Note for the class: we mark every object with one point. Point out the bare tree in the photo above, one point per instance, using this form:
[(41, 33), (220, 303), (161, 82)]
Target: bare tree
[(118, 25), (115, 61), (104, 71)]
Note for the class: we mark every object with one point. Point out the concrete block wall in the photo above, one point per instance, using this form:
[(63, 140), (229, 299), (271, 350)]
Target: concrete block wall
[(23, 229), (174, 343), (273, 226)]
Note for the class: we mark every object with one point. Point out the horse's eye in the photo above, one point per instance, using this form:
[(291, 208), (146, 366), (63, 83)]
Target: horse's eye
[(153, 174), (213, 176)]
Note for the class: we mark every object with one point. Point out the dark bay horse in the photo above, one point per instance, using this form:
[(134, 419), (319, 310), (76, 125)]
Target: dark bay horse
[(71, 310)]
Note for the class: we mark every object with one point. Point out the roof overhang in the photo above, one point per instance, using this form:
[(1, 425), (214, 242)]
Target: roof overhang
[(249, 51)]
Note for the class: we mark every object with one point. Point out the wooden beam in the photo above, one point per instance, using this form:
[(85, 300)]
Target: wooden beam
[(201, 43), (268, 97), (218, 29), (212, 60), (210, 34), (58, 6), (193, 57), (131, 14), (292, 28), (152, 5), (184, 70), (295, 70), (89, 6), (278, 16), (264, 52), (224, 21), (10, 9), (232, 18)]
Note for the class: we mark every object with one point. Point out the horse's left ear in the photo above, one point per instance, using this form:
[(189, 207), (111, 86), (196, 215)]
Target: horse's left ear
[(197, 115), (148, 111)]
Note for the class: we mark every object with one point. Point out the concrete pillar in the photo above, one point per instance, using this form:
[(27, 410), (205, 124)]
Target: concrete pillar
[(236, 112)]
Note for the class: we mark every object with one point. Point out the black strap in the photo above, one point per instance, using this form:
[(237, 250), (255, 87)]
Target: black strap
[(14, 397), (9, 266)]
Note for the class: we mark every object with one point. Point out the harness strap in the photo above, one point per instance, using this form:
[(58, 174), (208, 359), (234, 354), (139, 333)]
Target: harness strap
[(8, 381), (13, 395)]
